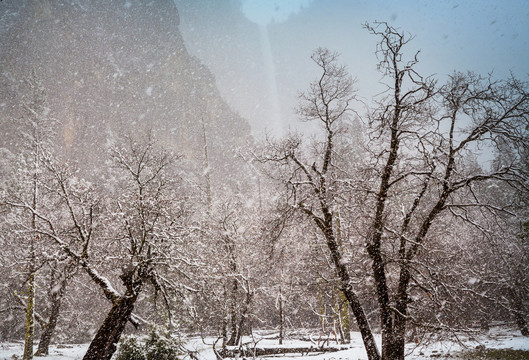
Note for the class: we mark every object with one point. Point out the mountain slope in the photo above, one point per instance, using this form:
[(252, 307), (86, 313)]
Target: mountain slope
[(112, 67)]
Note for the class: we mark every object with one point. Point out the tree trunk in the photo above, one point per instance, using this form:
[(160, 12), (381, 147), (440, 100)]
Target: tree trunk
[(280, 315), (322, 311), (386, 318), (225, 331), (349, 293), (522, 324), (519, 315), (233, 316), (49, 328), (399, 329), (105, 342), (233, 332), (206, 164), (244, 316), (234, 290), (343, 309), (268, 351), (343, 317), (362, 322), (30, 315), (30, 309), (396, 349)]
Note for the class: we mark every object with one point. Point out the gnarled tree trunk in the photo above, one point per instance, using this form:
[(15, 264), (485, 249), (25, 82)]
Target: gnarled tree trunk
[(105, 342), (49, 328)]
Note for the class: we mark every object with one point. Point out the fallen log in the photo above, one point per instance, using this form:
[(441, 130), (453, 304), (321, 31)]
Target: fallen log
[(232, 352)]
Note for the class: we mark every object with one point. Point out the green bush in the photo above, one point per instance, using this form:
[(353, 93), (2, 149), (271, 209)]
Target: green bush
[(130, 349), (159, 347), (156, 347)]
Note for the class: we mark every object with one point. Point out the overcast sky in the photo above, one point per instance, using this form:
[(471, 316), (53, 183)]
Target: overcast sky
[(259, 49)]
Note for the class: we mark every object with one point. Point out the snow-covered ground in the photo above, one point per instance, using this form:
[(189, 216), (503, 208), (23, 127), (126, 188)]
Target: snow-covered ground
[(13, 351), (498, 338)]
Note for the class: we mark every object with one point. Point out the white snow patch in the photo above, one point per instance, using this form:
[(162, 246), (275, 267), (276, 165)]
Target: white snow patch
[(498, 338), (57, 352), (472, 281)]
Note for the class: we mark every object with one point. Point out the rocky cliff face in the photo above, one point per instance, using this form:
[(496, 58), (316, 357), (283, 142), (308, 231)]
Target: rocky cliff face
[(112, 67)]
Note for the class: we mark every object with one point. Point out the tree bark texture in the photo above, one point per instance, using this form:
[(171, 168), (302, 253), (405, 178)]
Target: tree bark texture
[(49, 328), (233, 313), (348, 291), (105, 342), (30, 316)]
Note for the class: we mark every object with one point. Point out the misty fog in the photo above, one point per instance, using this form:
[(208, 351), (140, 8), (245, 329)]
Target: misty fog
[(484, 36)]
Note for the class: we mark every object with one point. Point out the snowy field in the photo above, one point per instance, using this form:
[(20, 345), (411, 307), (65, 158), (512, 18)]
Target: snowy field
[(495, 339)]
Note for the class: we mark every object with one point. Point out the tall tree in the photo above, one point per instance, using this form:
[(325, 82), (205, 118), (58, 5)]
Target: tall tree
[(146, 228), (420, 136), (313, 186), (36, 131), (28, 182)]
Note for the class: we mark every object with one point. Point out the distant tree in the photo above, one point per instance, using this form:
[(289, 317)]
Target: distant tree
[(25, 182), (500, 290), (235, 268)]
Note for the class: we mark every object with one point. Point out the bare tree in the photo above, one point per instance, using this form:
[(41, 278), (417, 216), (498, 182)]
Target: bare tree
[(435, 174), (35, 130), (148, 213), (313, 186), (146, 219), (499, 290), (420, 136), (235, 268)]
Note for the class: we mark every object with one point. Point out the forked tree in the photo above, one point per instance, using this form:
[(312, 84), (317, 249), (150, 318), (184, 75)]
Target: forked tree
[(137, 229), (420, 135)]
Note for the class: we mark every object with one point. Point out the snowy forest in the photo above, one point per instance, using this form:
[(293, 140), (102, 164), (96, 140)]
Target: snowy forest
[(136, 203)]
